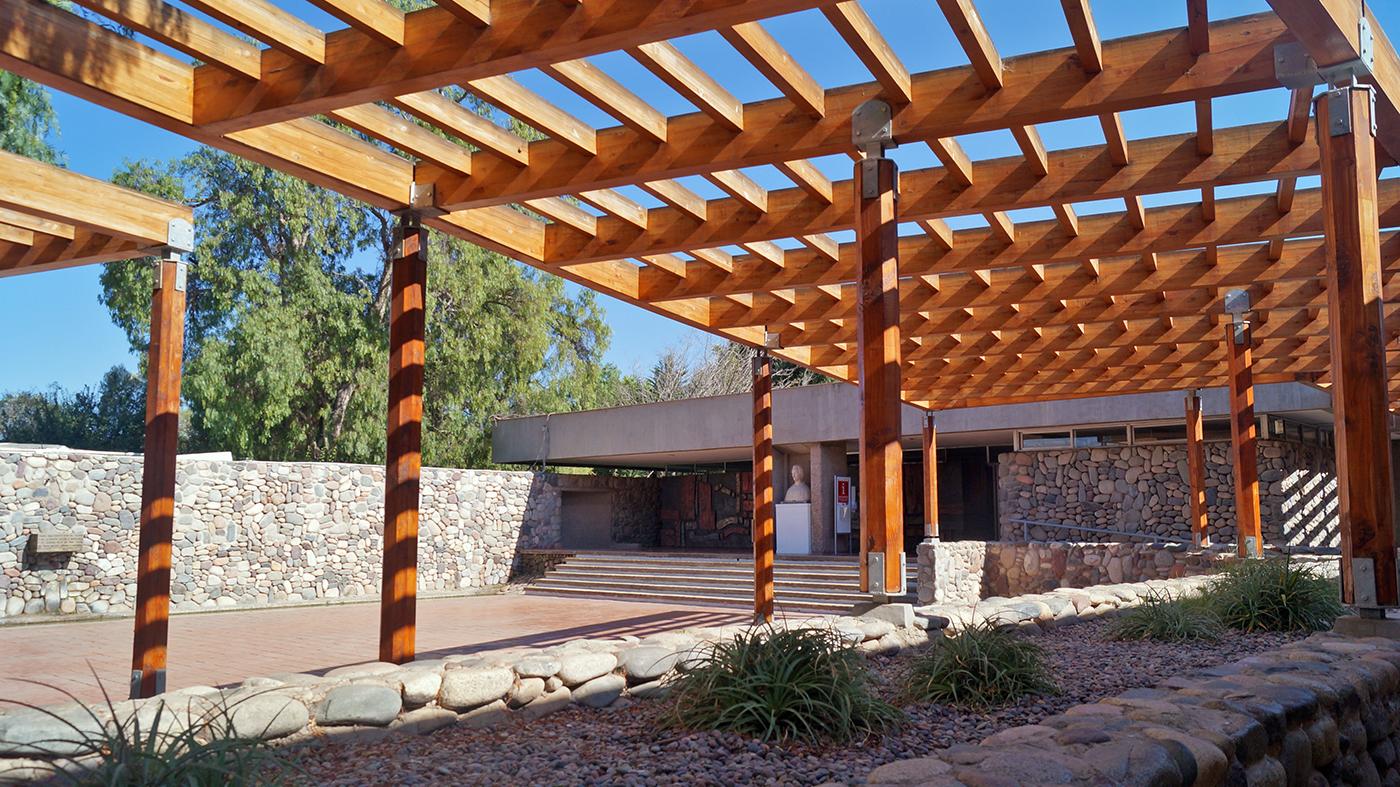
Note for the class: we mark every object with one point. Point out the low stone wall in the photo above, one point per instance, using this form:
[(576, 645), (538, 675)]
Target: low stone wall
[(1145, 489), (965, 571), (257, 533), (1323, 711)]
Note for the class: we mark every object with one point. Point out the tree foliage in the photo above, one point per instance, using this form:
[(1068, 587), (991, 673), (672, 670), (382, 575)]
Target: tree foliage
[(110, 417), (286, 342), (28, 123), (693, 369)]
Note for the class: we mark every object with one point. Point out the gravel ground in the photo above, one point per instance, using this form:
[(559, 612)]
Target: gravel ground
[(631, 745)]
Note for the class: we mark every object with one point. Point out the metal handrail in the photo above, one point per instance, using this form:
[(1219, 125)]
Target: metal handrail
[(1026, 531)]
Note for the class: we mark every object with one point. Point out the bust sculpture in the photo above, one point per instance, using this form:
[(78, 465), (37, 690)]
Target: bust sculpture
[(798, 491)]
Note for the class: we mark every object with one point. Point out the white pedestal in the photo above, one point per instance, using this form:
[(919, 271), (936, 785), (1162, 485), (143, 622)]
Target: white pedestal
[(794, 526)]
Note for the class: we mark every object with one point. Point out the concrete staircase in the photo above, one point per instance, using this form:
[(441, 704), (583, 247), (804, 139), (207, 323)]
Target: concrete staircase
[(817, 584)]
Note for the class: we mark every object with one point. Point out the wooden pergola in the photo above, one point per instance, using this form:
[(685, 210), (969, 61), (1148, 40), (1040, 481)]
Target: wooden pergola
[(1016, 311)]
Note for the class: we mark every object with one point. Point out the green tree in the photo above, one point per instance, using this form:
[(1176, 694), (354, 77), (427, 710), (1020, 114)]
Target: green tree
[(28, 125), (111, 417), (286, 342)]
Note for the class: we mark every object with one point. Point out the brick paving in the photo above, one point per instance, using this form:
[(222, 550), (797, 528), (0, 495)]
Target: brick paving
[(225, 647)]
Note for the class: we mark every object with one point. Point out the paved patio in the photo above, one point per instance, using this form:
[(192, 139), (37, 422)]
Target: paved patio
[(226, 647)]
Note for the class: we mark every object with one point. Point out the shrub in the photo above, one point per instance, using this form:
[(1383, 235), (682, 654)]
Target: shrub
[(1167, 620), (137, 749), (1275, 595), (780, 685), (984, 666)]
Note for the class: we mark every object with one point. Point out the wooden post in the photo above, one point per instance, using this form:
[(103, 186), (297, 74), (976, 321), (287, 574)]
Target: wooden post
[(1355, 304), (765, 538), (930, 478), (158, 477), (1244, 445), (1196, 467), (877, 340), (398, 602)]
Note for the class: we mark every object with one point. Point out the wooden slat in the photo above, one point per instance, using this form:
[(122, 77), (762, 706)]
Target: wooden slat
[(380, 123), (1205, 128), (462, 122), (183, 32), (1113, 135), (473, 12), (698, 87), (1033, 149), (63, 196), (375, 17), (776, 64), (950, 153), (678, 195), (1001, 226), (596, 86), (808, 178), (1064, 213), (972, 34), (741, 187), (1086, 36), (564, 212), (1198, 26), (516, 99), (266, 22), (610, 201), (859, 32), (37, 224), (16, 235)]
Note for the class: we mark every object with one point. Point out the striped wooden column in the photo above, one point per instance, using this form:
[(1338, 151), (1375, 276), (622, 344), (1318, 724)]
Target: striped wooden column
[(765, 537)]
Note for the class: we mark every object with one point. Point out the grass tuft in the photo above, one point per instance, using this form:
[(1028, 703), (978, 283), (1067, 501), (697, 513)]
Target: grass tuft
[(782, 685), (1169, 620), (1275, 595), (983, 667)]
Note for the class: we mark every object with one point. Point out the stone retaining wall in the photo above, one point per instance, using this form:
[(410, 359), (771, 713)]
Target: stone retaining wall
[(965, 571), (1144, 489), (256, 533), (1325, 710)]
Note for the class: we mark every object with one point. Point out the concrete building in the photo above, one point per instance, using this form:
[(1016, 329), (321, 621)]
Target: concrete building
[(1062, 469)]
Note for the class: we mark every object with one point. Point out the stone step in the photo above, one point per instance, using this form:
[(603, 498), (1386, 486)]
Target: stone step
[(684, 587), (651, 579), (707, 599), (745, 573), (714, 561)]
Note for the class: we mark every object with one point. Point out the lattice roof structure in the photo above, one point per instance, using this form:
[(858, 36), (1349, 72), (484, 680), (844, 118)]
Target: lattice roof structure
[(1015, 311)]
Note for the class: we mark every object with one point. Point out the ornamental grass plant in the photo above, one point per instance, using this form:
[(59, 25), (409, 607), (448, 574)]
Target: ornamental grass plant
[(182, 743), (1163, 619), (983, 667), (1275, 595), (773, 684)]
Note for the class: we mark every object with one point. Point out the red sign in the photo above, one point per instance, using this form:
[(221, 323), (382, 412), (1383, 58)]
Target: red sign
[(843, 490)]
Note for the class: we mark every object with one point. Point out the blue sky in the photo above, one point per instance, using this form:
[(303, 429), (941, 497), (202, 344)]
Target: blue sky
[(80, 342)]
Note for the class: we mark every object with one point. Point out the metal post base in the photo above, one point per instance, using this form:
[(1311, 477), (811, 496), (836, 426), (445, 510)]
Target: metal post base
[(1371, 613), (136, 675)]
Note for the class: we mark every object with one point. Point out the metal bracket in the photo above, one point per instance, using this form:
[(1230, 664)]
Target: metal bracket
[(772, 340), (1251, 547), (1339, 109), (872, 128), (759, 356), (422, 199), (181, 271), (1237, 305), (1295, 68), (1363, 582), (136, 683)]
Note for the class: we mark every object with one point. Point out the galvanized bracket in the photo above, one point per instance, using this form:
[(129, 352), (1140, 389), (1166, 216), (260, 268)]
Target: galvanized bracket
[(759, 356), (872, 133), (1339, 109), (1295, 68), (1237, 305), (422, 203), (1363, 582), (181, 270), (1251, 547), (136, 683)]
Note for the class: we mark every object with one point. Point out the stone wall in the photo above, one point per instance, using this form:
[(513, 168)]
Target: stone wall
[(1144, 489), (636, 516), (255, 533), (966, 571), (1325, 710)]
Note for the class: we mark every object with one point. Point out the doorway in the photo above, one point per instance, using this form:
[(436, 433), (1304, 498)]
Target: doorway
[(585, 519)]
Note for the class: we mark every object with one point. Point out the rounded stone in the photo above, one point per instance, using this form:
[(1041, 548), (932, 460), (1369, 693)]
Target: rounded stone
[(537, 667), (600, 692), (360, 703), (267, 716), (469, 688), (578, 668), (420, 686), (647, 662)]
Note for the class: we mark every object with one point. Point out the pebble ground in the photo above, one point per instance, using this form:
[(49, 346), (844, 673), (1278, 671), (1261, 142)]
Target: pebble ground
[(630, 743)]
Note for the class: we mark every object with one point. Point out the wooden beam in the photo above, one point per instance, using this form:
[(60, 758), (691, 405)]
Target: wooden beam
[(777, 66), (967, 27), (443, 49), (1041, 88), (859, 32), (877, 336), (523, 104), (693, 83), (183, 32), (39, 224), (374, 17), (59, 195), (459, 121), (157, 523), (609, 95), (741, 187), (400, 132), (266, 22), (1244, 446), (1196, 471), (1330, 31), (679, 196), (1086, 37), (1198, 26), (403, 463), (476, 13), (930, 446), (808, 178), (765, 540), (1356, 306), (1032, 148)]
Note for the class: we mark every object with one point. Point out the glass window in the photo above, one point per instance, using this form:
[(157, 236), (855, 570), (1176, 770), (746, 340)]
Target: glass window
[(1310, 434), (1100, 436), (1159, 433), (1216, 429), (1033, 441)]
